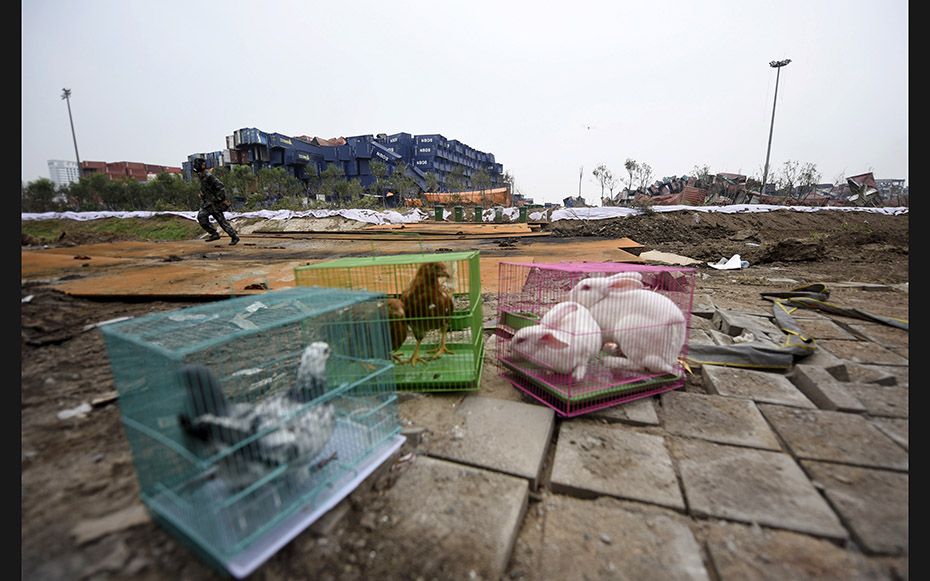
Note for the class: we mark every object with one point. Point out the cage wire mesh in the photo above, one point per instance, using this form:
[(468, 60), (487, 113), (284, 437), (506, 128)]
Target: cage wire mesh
[(583, 336), (434, 308), (240, 413)]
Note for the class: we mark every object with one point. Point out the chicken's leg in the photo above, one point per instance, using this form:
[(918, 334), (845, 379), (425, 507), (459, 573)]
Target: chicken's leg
[(442, 344), (416, 353)]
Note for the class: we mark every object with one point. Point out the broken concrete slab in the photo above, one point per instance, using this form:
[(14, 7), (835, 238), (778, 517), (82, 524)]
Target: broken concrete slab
[(91, 530), (752, 486), (735, 323), (703, 306), (507, 436), (873, 503), (701, 323), (834, 437), (894, 428), (901, 373), (758, 386), (743, 552), (640, 412), (880, 400), (595, 459), (603, 539), (823, 389), (699, 336), (717, 419), (849, 371), (862, 352), (882, 334), (447, 521), (822, 358)]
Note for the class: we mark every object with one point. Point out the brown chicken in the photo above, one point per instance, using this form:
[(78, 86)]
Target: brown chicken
[(397, 326), (428, 306)]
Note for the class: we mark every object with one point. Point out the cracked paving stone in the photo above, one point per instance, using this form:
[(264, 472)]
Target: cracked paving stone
[(886, 401), (874, 503), (752, 486), (719, 419), (758, 386), (603, 539), (835, 437), (595, 459), (742, 552)]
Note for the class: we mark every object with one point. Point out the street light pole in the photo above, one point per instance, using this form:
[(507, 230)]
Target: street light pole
[(66, 95), (777, 65)]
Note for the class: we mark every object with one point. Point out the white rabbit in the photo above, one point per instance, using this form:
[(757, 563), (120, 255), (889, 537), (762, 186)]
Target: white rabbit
[(648, 327), (564, 340)]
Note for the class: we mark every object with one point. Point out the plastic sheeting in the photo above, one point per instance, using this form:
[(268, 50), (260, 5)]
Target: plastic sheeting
[(418, 215), (368, 216), (603, 213)]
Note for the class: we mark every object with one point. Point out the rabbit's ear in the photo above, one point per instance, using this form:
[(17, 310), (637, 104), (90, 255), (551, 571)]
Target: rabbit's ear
[(624, 283), (550, 340)]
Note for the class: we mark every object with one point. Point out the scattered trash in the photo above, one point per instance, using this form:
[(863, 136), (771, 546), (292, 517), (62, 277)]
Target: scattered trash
[(104, 399), (734, 263), (107, 322), (257, 286), (28, 298), (667, 258), (255, 306), (457, 433), (82, 257), (79, 411)]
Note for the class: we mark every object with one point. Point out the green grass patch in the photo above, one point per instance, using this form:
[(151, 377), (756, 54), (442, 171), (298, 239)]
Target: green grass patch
[(106, 229)]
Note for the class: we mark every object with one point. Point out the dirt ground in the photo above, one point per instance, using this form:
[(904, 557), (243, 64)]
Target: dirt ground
[(80, 469)]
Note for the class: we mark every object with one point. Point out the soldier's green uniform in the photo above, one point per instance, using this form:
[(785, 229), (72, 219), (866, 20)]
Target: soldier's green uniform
[(213, 203)]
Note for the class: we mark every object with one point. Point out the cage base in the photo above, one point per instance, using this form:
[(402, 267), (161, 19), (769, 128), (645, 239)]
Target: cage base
[(567, 408), (249, 559), (456, 371)]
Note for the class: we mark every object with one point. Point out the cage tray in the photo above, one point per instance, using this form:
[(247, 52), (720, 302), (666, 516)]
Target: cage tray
[(261, 549), (560, 385)]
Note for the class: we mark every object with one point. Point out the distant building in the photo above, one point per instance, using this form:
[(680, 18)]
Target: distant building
[(63, 172), (453, 165), (135, 170)]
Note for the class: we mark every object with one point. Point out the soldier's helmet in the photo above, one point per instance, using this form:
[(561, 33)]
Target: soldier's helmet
[(199, 164)]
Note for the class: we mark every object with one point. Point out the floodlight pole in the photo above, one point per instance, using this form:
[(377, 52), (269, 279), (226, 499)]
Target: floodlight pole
[(66, 95), (777, 65)]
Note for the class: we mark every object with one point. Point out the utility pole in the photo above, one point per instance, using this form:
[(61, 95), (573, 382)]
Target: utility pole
[(777, 65), (66, 95)]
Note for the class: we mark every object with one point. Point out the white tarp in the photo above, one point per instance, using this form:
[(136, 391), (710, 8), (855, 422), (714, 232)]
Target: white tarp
[(418, 215), (603, 213), (368, 216)]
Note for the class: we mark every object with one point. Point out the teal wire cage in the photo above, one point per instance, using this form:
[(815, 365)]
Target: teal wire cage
[(234, 478)]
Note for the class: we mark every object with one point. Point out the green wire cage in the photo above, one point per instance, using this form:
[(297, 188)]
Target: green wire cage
[(434, 310), (237, 494)]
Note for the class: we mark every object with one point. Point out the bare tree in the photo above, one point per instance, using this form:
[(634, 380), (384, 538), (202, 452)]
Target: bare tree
[(604, 176), (612, 182), (788, 178), (632, 168), (643, 175)]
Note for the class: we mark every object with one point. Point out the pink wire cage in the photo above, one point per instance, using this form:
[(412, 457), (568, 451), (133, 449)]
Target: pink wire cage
[(575, 366)]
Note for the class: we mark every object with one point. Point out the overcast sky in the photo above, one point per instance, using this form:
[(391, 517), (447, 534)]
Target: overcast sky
[(671, 84)]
